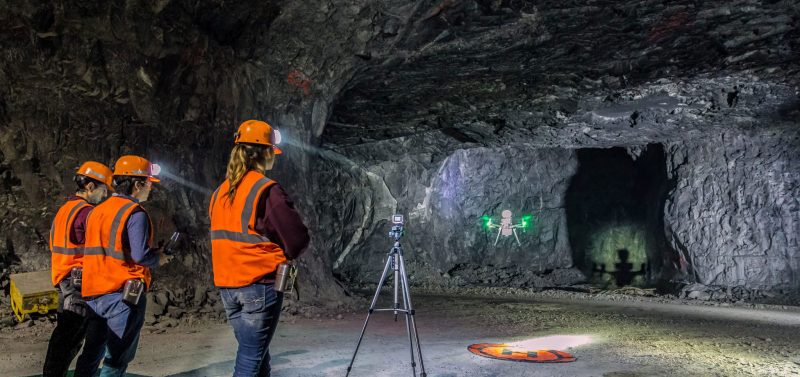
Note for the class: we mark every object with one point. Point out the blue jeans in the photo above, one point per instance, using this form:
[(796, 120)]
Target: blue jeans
[(114, 325), (253, 311)]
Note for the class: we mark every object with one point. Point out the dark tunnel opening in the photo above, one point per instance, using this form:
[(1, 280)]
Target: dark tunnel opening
[(615, 206)]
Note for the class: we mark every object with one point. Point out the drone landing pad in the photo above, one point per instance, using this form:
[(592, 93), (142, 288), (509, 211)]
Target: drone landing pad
[(507, 352)]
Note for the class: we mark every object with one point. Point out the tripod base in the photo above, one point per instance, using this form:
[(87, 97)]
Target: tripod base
[(396, 263)]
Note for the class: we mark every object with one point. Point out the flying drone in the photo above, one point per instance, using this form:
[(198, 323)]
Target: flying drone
[(506, 227)]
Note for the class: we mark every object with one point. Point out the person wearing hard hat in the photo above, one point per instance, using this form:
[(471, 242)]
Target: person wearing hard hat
[(118, 256), (67, 237), (254, 228)]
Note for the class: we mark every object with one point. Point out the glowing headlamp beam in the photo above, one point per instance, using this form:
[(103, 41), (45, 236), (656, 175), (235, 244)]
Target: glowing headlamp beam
[(183, 182), (553, 342)]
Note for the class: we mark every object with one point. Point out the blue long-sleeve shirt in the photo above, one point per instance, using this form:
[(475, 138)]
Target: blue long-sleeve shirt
[(138, 229), (136, 237)]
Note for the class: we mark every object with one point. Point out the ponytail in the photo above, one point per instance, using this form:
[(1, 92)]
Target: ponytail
[(245, 157)]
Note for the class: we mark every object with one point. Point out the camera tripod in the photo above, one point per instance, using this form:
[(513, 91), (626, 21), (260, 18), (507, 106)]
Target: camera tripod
[(397, 265)]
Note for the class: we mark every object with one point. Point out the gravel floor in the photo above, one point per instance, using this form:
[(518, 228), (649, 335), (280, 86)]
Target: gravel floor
[(611, 335)]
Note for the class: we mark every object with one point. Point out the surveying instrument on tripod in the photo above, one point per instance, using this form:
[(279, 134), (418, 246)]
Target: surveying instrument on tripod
[(396, 264)]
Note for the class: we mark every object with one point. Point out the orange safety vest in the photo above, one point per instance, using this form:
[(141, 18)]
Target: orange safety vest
[(65, 255), (106, 264), (239, 255)]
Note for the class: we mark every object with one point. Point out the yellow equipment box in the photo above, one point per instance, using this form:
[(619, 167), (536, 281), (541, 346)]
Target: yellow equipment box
[(32, 292)]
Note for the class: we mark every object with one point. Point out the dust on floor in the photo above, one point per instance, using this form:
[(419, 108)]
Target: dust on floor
[(620, 338)]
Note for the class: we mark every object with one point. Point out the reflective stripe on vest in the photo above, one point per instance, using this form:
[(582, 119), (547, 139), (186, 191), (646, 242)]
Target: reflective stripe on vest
[(67, 250), (238, 237), (64, 248), (109, 251), (107, 263), (245, 236), (65, 255), (240, 255)]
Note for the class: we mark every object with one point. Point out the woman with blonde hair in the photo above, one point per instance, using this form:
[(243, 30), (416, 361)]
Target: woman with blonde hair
[(254, 228)]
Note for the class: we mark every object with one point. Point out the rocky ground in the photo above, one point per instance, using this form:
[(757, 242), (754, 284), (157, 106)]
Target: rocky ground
[(628, 335)]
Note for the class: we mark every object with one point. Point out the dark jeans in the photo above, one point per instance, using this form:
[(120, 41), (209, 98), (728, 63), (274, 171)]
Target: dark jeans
[(115, 327), (67, 338), (253, 311)]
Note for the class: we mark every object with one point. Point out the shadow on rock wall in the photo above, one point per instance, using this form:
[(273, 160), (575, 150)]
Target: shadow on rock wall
[(614, 208)]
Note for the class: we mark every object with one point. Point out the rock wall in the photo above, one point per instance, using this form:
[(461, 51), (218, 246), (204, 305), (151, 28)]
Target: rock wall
[(369, 132), (445, 201), (734, 214), (720, 210), (170, 80)]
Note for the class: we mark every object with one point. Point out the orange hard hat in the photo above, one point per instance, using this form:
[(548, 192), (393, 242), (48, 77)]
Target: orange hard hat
[(136, 166), (258, 132), (98, 172)]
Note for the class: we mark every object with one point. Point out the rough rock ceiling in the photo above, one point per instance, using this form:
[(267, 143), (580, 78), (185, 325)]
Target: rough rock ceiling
[(499, 72), (400, 88)]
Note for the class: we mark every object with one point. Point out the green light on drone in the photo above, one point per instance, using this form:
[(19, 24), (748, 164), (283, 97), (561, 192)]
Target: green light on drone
[(487, 221), (526, 221)]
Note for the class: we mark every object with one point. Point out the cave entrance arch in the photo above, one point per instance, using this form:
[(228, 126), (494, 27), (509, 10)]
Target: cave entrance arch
[(614, 206)]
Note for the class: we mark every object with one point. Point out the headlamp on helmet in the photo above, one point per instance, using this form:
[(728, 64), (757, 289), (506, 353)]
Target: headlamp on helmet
[(259, 133)]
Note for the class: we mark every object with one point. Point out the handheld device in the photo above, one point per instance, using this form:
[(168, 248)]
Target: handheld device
[(285, 277), (172, 243), (76, 273), (133, 291)]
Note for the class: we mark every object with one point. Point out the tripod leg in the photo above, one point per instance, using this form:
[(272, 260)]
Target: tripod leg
[(407, 307), (396, 285), (371, 307), (498, 236), (515, 236), (410, 315)]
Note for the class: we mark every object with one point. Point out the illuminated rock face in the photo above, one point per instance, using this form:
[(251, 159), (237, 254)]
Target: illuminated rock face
[(387, 104), (444, 217), (734, 213)]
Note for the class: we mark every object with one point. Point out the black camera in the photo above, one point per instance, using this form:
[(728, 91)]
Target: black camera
[(397, 229)]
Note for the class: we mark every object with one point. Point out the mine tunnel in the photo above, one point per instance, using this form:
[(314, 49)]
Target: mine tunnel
[(614, 207), (601, 188)]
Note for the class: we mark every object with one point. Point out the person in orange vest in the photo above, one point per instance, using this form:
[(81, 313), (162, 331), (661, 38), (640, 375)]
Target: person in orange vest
[(254, 228), (67, 237), (118, 256)]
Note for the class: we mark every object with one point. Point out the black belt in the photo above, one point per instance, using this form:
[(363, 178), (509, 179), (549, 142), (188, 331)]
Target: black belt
[(90, 298), (267, 279)]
